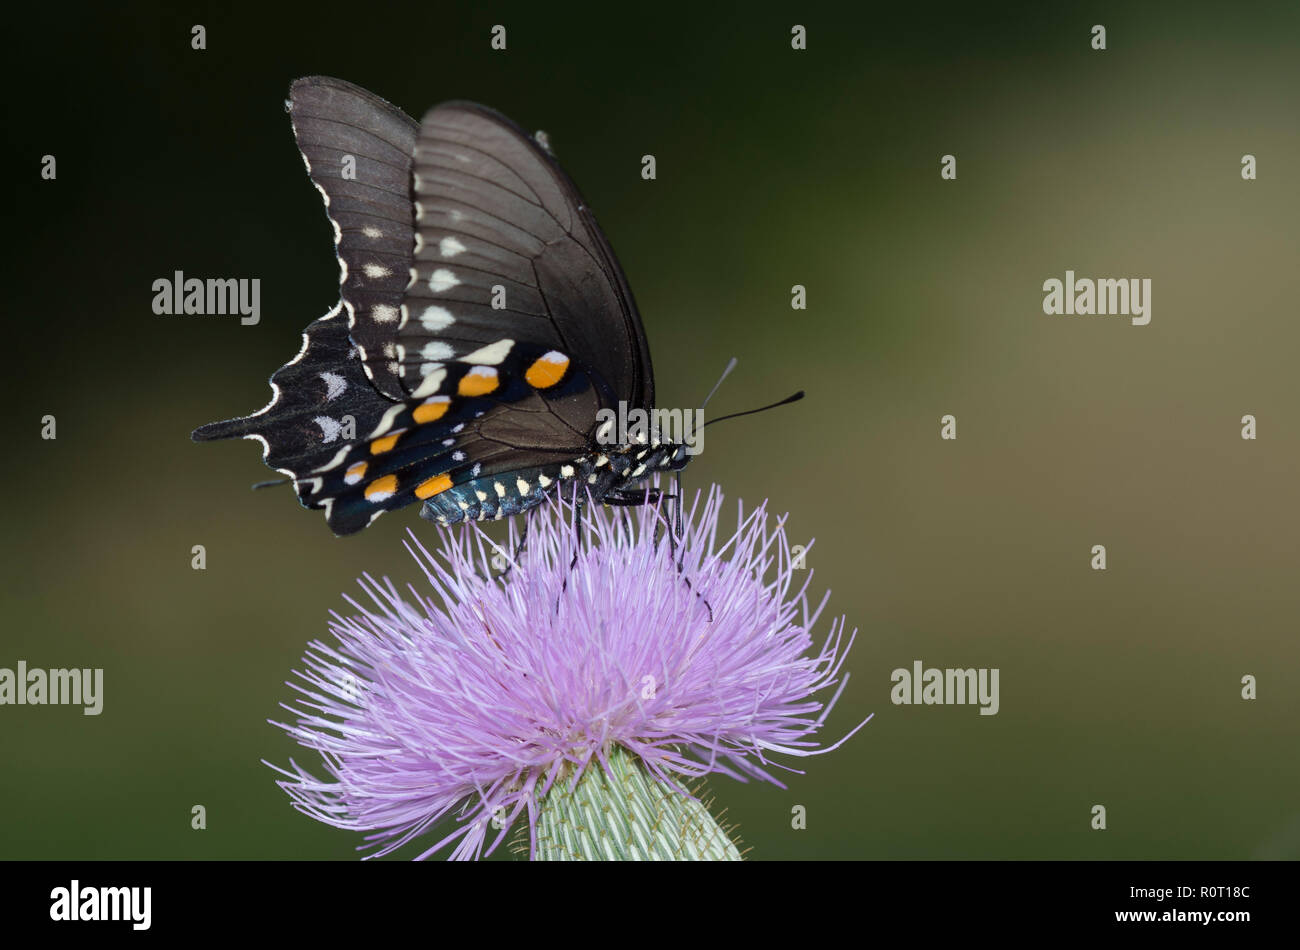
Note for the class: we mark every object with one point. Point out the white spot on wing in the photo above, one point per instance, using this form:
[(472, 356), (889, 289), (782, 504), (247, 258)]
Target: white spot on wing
[(436, 350), (329, 428), (383, 313), (450, 247), (433, 374), (335, 461), (335, 385), (376, 270), (436, 318), (442, 279), (492, 354), (386, 422)]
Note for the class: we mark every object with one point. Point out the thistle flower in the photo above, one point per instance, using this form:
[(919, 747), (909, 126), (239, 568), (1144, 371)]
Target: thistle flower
[(608, 645)]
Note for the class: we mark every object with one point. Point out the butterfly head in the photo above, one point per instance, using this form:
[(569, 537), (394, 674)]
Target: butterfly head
[(669, 456), (634, 461)]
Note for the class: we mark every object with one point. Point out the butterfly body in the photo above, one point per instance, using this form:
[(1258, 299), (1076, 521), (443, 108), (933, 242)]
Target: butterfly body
[(615, 473), (484, 325)]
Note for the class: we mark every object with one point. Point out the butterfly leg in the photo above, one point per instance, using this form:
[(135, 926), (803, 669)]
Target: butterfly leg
[(633, 497), (519, 548), (577, 547), (678, 532), (679, 498)]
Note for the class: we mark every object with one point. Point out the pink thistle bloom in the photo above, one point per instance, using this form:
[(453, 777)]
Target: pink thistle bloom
[(468, 705)]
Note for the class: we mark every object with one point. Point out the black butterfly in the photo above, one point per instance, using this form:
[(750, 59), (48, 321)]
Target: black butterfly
[(484, 322)]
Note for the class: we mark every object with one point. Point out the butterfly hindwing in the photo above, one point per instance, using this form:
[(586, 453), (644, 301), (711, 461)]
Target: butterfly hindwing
[(420, 449), (322, 400)]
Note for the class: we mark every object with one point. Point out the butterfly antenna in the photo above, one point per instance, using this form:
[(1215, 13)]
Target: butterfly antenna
[(793, 397), (677, 475), (731, 364)]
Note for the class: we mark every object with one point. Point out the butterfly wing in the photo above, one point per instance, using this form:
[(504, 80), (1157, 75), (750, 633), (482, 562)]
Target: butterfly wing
[(513, 327), (507, 248), (321, 399), (357, 149)]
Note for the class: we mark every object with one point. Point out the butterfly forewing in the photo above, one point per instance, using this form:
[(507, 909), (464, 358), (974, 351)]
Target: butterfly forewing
[(358, 148), (508, 251)]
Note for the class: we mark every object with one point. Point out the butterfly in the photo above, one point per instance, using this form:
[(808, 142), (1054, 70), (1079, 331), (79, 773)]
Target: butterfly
[(483, 326)]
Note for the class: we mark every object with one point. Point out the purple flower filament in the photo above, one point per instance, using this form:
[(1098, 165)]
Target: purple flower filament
[(468, 702)]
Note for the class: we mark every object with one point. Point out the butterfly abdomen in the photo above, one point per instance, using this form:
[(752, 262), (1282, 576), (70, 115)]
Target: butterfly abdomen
[(595, 475)]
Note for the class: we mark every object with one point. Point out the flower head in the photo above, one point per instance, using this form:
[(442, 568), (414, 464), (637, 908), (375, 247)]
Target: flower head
[(694, 654)]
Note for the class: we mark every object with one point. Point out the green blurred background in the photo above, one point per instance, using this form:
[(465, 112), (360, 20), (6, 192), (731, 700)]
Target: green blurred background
[(775, 167)]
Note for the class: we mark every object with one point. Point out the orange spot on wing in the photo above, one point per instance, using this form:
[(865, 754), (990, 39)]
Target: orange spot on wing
[(433, 486), (355, 473), (546, 371), (432, 409), (479, 381), (382, 486), (380, 446)]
